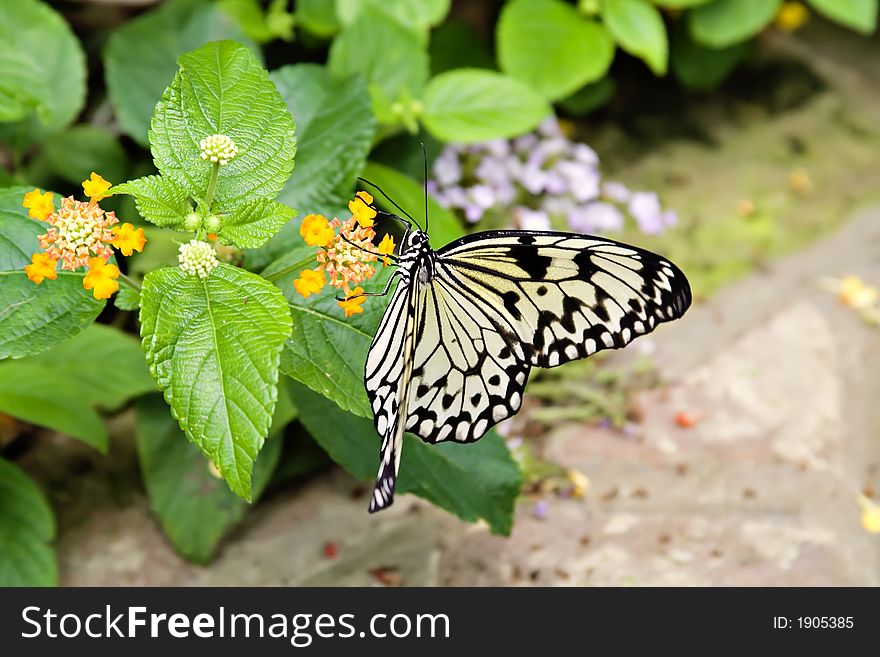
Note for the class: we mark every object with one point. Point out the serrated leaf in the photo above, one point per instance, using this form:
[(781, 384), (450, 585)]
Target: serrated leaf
[(221, 88), (473, 105), (74, 153), (159, 200), (252, 224), (194, 508), (388, 54), (27, 529), (860, 15), (335, 130), (639, 29), (723, 23), (107, 367), (141, 55), (60, 73), (35, 317), (213, 347), (551, 47), (479, 480)]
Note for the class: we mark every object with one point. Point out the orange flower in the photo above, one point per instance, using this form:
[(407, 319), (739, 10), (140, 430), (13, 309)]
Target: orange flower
[(310, 282), (96, 187), (386, 247), (79, 231), (353, 301), (39, 205), (128, 239), (361, 210), (348, 256), (315, 230), (42, 266), (101, 278)]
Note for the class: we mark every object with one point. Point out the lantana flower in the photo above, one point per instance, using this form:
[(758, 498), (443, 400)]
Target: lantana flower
[(81, 234), (353, 302), (360, 208), (101, 278)]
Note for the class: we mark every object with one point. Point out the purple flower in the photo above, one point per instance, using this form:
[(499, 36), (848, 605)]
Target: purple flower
[(447, 168), (529, 219), (616, 191)]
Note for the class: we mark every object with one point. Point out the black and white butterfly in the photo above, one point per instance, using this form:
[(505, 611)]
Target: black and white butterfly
[(465, 324)]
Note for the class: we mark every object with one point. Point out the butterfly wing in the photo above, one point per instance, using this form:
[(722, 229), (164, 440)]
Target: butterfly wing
[(501, 302), (556, 297), (387, 375)]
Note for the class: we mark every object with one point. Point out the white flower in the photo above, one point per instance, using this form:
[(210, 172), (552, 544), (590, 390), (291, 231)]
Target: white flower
[(197, 258)]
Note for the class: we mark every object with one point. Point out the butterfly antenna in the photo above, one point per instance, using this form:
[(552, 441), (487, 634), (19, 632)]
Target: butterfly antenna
[(425, 159), (389, 199)]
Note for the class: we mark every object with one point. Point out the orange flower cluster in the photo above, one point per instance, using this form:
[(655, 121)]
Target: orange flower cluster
[(81, 234), (346, 255)]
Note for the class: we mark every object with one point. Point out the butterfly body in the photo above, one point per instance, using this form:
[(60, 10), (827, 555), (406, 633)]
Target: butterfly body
[(466, 324)]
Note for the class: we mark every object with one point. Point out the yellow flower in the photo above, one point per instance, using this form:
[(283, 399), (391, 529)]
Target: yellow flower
[(353, 301), (315, 230), (791, 16), (310, 282), (853, 292), (100, 278), (386, 247), (96, 187), (39, 205), (128, 238), (360, 208), (42, 266)]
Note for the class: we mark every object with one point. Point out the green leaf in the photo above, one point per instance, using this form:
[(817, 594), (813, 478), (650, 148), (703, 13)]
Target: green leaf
[(221, 88), (76, 152), (30, 390), (21, 86), (417, 15), (252, 224), (589, 98), (456, 44), (127, 298), (410, 195), (335, 129), (317, 17), (639, 29), (27, 529), (472, 105), (141, 56), (35, 317), (697, 67), (551, 47), (195, 508), (479, 480), (723, 23), (860, 15), (56, 59), (213, 347), (159, 200), (389, 55)]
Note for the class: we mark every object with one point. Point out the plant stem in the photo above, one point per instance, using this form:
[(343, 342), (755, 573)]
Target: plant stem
[(275, 275), (212, 185)]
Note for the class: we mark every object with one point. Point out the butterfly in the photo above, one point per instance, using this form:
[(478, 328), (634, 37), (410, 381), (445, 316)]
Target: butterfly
[(466, 323)]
